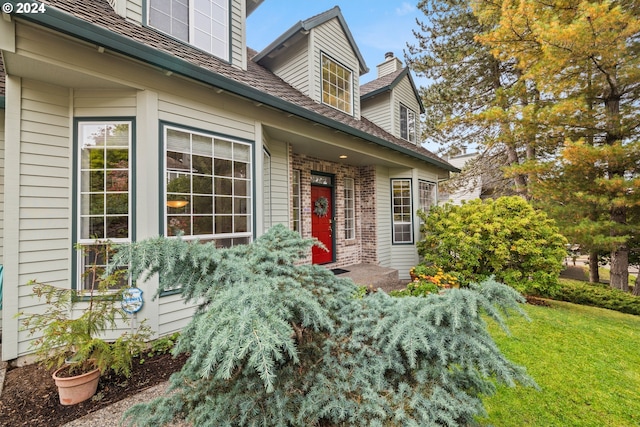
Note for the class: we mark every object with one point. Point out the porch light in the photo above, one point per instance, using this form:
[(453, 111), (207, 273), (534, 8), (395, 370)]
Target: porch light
[(343, 156), (176, 204)]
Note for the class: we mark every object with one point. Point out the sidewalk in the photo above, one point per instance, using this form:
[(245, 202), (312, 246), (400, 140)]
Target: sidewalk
[(112, 415)]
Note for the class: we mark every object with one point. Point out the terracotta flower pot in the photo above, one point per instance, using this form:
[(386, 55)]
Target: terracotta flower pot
[(78, 388)]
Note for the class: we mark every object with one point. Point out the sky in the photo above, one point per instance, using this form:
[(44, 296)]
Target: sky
[(377, 26)]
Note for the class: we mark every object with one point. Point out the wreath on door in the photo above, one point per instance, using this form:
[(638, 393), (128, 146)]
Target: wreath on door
[(321, 206)]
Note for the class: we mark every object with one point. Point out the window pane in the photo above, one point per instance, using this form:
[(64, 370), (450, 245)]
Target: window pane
[(202, 205), (117, 203), (224, 224), (241, 152), (94, 227), (224, 186), (239, 170), (117, 180), (222, 149), (241, 188), (178, 141), (178, 224), (202, 185), (202, 165), (224, 205), (203, 225), (223, 167), (240, 206)]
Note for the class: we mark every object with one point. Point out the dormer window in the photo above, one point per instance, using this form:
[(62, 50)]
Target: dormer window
[(202, 23), (407, 124), (336, 85)]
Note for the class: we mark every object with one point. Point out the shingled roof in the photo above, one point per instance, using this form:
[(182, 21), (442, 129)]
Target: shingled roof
[(96, 22)]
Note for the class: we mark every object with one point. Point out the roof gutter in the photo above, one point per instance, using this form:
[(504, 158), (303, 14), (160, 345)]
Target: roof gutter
[(89, 32)]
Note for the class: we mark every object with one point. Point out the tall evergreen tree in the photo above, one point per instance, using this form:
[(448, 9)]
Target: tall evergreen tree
[(583, 56), (474, 99)]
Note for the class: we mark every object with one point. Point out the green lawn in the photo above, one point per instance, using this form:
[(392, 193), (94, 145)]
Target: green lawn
[(586, 361)]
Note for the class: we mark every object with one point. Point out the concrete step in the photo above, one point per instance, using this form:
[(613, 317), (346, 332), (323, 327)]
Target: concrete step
[(373, 276)]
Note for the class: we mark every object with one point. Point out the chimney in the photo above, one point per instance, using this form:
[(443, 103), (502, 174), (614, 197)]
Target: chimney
[(390, 65)]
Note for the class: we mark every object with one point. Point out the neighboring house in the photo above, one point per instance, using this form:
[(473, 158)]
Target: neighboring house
[(464, 190), (122, 121)]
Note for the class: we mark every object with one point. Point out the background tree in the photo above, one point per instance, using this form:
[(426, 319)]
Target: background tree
[(474, 99), (583, 56)]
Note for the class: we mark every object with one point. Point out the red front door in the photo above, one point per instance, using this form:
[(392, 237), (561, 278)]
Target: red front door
[(322, 225)]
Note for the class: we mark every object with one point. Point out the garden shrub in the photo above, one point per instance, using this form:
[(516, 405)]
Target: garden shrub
[(597, 295), (278, 343), (505, 238)]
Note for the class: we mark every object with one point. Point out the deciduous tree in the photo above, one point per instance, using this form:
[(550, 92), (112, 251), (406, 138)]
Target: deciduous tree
[(584, 57)]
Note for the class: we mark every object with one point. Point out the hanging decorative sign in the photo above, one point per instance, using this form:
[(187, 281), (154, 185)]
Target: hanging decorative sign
[(132, 300), (321, 206)]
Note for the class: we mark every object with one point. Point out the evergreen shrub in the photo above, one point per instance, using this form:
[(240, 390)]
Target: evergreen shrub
[(505, 238), (278, 343), (597, 295)]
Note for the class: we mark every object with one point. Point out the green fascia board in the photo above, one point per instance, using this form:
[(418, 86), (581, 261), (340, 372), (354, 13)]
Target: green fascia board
[(89, 32)]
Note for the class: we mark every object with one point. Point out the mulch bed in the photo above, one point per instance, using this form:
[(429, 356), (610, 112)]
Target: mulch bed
[(30, 397)]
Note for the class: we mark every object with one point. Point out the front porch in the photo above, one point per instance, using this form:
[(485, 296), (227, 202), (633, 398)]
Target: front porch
[(374, 276)]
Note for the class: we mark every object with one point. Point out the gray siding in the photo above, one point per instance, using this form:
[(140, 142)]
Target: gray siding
[(403, 94), (237, 33), (331, 39), (179, 110), (378, 110), (104, 103), (383, 210), (44, 224), (280, 187), (292, 66), (133, 10)]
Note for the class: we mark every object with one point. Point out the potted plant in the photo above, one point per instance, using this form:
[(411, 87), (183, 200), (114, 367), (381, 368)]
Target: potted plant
[(72, 326)]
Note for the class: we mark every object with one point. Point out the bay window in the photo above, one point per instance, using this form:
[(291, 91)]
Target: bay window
[(104, 196), (402, 212), (207, 187)]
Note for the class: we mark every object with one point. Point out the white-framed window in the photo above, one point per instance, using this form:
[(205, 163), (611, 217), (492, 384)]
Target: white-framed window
[(427, 196), (104, 196), (337, 85), (266, 190), (407, 124), (349, 209), (402, 212), (202, 23), (207, 186), (295, 202)]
